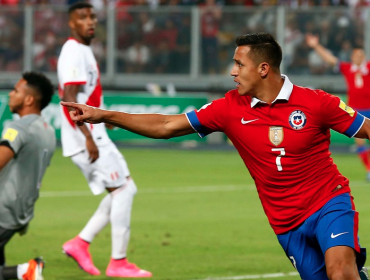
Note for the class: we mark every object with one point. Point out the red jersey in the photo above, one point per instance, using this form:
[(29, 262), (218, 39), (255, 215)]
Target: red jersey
[(285, 146), (358, 83)]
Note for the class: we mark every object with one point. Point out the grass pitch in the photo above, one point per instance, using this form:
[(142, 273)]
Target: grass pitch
[(196, 216)]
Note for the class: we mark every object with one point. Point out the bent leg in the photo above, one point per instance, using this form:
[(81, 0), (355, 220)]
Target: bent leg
[(98, 221), (341, 264), (363, 152), (338, 237), (304, 252)]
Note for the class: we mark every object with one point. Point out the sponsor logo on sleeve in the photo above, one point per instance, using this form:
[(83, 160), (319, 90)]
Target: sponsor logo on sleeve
[(297, 119), (10, 134), (346, 108)]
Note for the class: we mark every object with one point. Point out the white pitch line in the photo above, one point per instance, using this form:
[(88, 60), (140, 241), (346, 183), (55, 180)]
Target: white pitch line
[(229, 188), (193, 189), (256, 276)]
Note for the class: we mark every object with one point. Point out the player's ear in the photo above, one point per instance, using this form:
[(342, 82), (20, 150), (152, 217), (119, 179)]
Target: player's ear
[(29, 100), (263, 69), (71, 24)]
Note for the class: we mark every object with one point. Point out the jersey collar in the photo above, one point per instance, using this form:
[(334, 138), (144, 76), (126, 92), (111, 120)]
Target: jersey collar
[(362, 68), (284, 93)]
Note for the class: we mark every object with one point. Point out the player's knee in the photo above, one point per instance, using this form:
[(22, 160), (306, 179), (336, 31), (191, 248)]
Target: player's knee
[(341, 271)]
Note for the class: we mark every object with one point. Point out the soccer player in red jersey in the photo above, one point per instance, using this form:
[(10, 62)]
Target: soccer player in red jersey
[(282, 132), (357, 76)]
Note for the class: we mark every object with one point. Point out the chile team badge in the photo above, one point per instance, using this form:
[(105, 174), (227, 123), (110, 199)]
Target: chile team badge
[(297, 119)]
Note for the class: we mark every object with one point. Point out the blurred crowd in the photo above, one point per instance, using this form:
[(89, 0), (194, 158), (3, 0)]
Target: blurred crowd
[(153, 40), (156, 3)]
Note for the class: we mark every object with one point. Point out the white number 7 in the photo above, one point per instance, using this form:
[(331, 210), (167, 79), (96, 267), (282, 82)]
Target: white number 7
[(278, 158)]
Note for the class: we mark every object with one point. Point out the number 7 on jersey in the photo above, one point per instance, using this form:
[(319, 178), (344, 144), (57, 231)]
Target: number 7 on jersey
[(278, 157)]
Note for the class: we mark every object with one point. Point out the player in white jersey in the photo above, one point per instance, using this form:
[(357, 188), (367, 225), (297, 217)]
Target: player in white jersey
[(93, 152), (26, 147)]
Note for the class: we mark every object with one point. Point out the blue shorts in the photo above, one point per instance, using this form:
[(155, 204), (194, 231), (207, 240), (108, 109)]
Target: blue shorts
[(335, 224), (365, 113)]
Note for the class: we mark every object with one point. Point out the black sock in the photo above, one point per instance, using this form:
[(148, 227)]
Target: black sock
[(10, 272)]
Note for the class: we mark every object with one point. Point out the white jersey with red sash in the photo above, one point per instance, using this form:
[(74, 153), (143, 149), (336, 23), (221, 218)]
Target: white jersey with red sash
[(77, 66)]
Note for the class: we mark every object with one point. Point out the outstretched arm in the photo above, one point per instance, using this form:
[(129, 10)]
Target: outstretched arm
[(364, 131), (150, 125), (313, 42)]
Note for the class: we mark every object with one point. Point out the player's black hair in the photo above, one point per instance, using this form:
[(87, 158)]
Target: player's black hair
[(263, 48), (79, 5), (42, 85)]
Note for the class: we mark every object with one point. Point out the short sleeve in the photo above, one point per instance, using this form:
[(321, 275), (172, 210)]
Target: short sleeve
[(335, 114), (71, 67), (209, 118), (344, 67), (14, 135)]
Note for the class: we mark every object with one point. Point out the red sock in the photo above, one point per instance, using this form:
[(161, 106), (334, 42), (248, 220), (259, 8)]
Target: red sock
[(364, 156), (368, 161)]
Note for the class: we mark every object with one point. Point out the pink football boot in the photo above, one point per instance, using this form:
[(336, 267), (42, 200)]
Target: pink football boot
[(78, 250), (122, 268)]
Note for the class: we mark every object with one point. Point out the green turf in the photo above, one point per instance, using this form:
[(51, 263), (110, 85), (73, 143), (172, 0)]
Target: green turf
[(196, 216)]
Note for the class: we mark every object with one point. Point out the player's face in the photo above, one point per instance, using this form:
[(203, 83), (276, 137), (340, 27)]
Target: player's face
[(17, 96), (83, 23), (358, 56), (245, 71)]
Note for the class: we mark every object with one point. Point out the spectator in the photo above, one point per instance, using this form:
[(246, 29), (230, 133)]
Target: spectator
[(182, 50), (161, 58), (345, 51), (137, 57), (300, 63), (292, 38), (210, 17)]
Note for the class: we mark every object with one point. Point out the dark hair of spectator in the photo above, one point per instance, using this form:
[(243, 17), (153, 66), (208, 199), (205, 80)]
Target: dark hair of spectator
[(263, 48), (79, 5), (358, 46), (42, 85)]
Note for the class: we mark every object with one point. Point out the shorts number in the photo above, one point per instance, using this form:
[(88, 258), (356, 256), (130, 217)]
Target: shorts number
[(278, 158), (293, 261)]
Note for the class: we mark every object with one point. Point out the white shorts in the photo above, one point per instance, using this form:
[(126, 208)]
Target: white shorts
[(108, 171)]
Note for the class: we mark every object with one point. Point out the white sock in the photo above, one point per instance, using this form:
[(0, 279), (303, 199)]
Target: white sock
[(22, 269), (120, 216), (98, 221)]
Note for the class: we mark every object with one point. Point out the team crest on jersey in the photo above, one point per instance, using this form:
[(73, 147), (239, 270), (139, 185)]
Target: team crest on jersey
[(276, 135), (297, 119)]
